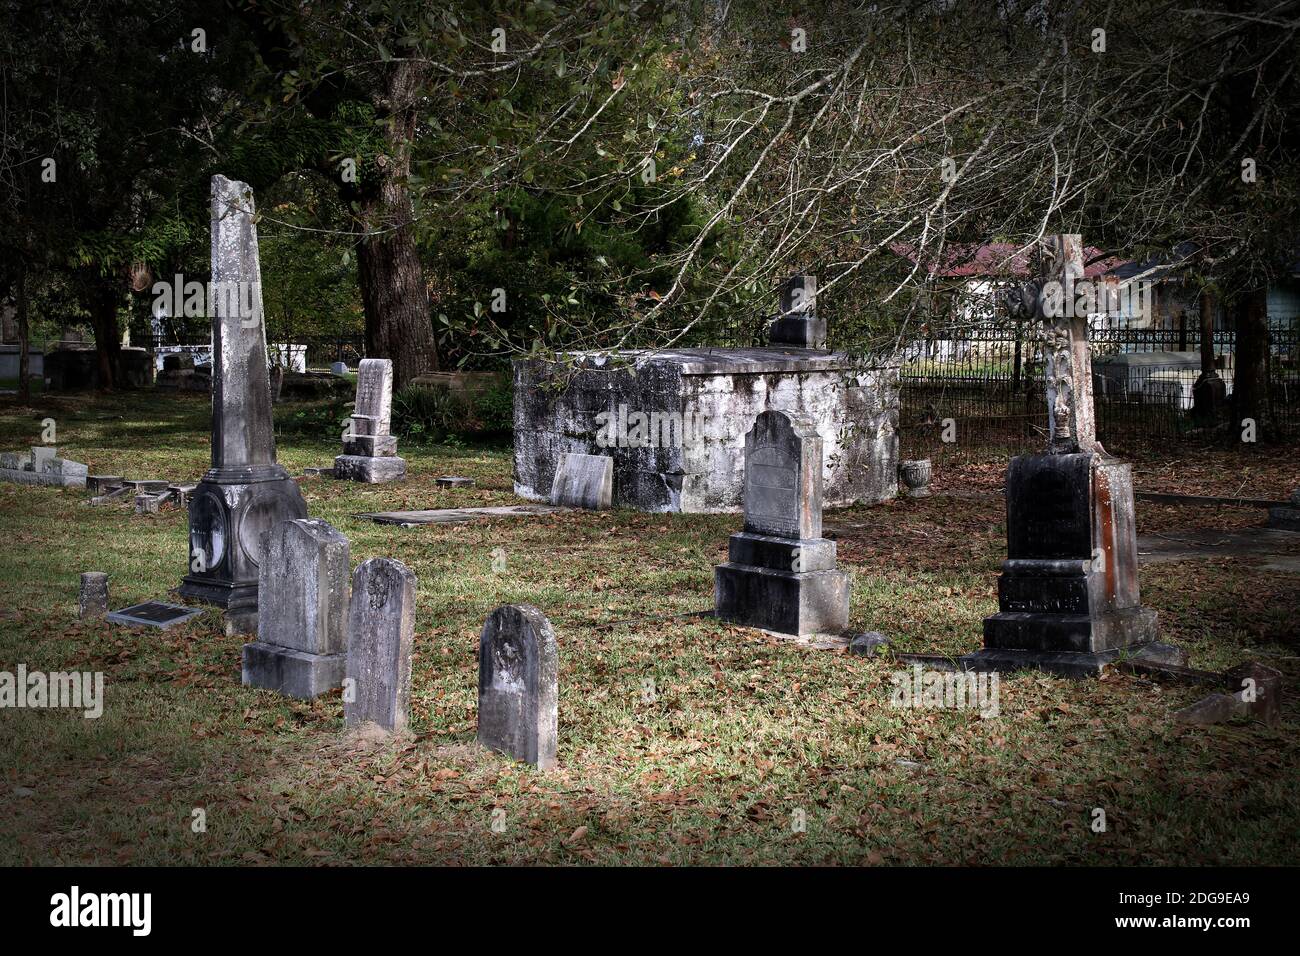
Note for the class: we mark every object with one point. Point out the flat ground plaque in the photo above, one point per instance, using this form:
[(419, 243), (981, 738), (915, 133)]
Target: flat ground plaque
[(154, 614)]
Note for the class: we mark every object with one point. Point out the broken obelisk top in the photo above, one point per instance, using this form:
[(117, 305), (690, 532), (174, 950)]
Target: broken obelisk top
[(1068, 594), (245, 492), (1067, 363)]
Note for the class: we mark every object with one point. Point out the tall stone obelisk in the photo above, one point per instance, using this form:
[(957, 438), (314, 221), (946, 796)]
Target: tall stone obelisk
[(245, 492)]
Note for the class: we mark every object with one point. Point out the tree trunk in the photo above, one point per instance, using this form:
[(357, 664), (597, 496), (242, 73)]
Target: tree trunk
[(393, 293), (24, 343), (104, 298), (1250, 378)]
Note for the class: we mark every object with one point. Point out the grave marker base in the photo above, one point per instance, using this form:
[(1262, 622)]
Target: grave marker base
[(787, 602), (1068, 595), (291, 672), (370, 470)]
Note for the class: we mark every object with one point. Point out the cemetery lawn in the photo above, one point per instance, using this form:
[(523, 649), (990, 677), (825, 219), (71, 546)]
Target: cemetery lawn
[(741, 732)]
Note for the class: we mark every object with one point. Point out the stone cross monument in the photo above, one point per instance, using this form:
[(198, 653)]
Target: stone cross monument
[(245, 492), (1068, 594), (780, 573)]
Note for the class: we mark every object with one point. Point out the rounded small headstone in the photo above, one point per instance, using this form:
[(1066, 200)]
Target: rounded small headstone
[(868, 644), (93, 600)]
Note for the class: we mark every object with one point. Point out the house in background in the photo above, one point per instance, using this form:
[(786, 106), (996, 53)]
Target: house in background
[(1146, 344)]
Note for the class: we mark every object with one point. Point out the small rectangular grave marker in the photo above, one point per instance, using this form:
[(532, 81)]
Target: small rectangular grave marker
[(584, 481), (154, 614), (93, 600), (301, 646)]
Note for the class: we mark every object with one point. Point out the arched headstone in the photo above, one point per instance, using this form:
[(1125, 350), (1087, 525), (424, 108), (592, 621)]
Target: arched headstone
[(781, 573), (518, 675), (381, 630)]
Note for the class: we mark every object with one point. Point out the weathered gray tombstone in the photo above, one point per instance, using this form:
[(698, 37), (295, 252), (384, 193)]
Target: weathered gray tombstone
[(301, 646), (246, 492), (369, 448), (781, 574), (798, 323), (518, 676), (381, 631), (92, 602), (42, 455), (1068, 594), (584, 481)]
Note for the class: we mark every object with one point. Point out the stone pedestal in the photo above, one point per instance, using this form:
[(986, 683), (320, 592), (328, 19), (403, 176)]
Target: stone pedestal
[(1068, 594), (368, 469), (246, 492), (781, 574), (798, 323)]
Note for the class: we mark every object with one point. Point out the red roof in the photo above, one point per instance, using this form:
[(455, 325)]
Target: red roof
[(998, 260)]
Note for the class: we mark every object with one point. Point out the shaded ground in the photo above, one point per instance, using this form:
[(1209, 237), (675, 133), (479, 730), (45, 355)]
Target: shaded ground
[(741, 733)]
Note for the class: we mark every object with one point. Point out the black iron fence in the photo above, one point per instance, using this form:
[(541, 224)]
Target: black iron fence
[(982, 393)]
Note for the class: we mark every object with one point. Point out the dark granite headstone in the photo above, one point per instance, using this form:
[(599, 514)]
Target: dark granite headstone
[(1068, 594), (301, 646), (381, 631), (798, 323), (518, 673), (246, 492), (781, 573)]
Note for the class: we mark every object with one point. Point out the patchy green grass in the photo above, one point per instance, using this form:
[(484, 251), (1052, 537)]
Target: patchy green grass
[(742, 732)]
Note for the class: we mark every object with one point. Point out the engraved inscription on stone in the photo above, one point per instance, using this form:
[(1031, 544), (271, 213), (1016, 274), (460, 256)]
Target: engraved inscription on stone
[(771, 490)]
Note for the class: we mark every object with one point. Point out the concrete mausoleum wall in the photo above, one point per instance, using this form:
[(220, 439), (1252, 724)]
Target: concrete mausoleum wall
[(702, 402)]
